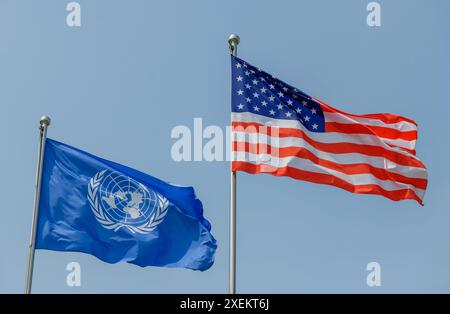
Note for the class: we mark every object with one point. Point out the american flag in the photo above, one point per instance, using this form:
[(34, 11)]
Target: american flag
[(280, 130)]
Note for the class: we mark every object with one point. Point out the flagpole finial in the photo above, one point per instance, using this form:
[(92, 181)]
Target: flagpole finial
[(233, 41), (45, 120)]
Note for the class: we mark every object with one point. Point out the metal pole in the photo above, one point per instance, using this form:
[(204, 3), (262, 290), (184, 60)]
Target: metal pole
[(44, 123), (233, 41)]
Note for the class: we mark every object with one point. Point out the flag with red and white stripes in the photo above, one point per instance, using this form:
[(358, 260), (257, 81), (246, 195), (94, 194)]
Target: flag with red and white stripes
[(280, 130)]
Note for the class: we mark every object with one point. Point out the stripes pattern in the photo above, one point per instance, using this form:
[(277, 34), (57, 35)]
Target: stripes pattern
[(366, 154)]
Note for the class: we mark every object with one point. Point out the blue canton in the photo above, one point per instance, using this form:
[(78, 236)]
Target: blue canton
[(258, 92)]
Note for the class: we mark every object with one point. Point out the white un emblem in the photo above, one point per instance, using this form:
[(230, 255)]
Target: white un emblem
[(119, 201)]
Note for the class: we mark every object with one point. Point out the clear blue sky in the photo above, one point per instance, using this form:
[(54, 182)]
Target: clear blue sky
[(117, 86)]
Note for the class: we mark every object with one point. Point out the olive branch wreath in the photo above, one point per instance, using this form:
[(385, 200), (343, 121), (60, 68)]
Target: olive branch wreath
[(155, 219)]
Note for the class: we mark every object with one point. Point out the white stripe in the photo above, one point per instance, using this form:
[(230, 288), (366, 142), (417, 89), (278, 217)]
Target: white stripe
[(400, 126), (401, 143), (326, 137), (342, 118), (345, 159), (307, 165)]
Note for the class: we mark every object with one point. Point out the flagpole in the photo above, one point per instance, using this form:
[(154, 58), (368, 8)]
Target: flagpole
[(44, 123), (233, 42)]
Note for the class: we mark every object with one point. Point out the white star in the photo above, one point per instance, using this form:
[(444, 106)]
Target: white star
[(264, 103), (255, 82), (271, 86), (272, 98), (248, 99), (280, 106), (253, 72), (294, 96), (272, 112), (313, 110), (240, 92), (247, 73), (238, 65), (262, 79), (298, 110), (285, 89), (263, 90), (256, 108), (245, 65), (314, 126), (288, 114), (290, 102), (280, 94), (304, 102), (256, 95), (295, 90), (239, 78), (247, 86), (240, 106), (307, 118)]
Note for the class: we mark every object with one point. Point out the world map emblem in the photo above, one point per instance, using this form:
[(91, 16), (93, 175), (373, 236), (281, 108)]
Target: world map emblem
[(118, 201)]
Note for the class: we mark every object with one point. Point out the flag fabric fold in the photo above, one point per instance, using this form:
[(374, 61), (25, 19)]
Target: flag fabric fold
[(116, 213), (280, 130)]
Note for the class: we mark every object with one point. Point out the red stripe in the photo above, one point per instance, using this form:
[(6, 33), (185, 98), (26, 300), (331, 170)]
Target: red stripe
[(380, 131), (328, 179), (334, 148), (349, 169), (385, 117)]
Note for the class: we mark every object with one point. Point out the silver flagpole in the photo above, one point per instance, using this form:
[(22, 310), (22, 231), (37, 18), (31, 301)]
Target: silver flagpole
[(233, 42), (44, 123)]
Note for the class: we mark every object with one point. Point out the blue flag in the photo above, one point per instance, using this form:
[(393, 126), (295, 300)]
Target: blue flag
[(92, 205)]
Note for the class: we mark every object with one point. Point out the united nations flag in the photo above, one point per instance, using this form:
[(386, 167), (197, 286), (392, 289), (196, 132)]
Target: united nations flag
[(92, 205)]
